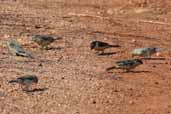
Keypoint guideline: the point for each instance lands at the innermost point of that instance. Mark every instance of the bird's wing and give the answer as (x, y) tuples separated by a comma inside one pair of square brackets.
[(125, 63), (22, 52), (103, 44), (47, 38)]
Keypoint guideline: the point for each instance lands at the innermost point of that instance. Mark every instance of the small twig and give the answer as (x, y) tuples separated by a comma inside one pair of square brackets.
[(60, 58), (97, 16), (87, 15), (154, 22)]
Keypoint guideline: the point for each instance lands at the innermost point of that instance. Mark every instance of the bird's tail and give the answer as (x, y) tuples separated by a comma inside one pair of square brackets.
[(30, 55), (110, 68), (58, 38), (163, 49), (114, 45), (26, 54), (13, 81)]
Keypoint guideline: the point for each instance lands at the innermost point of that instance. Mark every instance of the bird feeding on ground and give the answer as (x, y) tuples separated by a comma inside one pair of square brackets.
[(126, 65), (100, 46), (144, 52), (16, 49), (44, 40), (25, 81)]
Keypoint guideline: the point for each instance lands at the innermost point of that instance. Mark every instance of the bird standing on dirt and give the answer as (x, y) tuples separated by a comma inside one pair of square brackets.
[(100, 46), (43, 40), (16, 49), (144, 52), (25, 81), (126, 65)]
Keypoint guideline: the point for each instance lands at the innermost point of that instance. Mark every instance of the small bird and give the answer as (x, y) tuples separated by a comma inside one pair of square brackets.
[(44, 40), (16, 49), (25, 81), (126, 65), (144, 52), (100, 46)]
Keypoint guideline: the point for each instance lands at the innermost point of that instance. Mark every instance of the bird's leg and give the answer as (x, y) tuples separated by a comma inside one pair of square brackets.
[(46, 48), (32, 87), (41, 47), (26, 88), (97, 52), (102, 52), (20, 86), (127, 70), (147, 56)]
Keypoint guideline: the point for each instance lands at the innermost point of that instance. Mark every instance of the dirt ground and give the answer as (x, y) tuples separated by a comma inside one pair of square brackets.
[(74, 75)]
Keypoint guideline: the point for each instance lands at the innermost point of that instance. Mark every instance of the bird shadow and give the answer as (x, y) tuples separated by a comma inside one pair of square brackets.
[(115, 77), (138, 72), (107, 53), (158, 58), (54, 48), (106, 76), (132, 72), (36, 90)]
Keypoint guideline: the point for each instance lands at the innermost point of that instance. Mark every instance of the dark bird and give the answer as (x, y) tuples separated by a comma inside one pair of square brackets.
[(126, 65), (44, 40), (144, 52), (25, 81), (16, 49), (101, 46)]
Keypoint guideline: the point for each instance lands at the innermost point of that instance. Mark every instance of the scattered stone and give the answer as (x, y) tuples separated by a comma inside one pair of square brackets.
[(133, 40), (110, 12), (154, 66), (158, 54), (131, 102), (63, 78), (156, 83), (116, 90), (37, 27), (94, 102), (40, 65)]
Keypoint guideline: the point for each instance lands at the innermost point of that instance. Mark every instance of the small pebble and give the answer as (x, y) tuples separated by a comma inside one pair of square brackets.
[(110, 12), (37, 26), (40, 64), (131, 102), (156, 83), (168, 62), (6, 36), (116, 90), (154, 66), (94, 102), (133, 41), (63, 78), (158, 54)]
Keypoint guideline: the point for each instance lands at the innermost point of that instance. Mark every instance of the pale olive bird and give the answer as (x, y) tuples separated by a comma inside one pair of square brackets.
[(44, 40), (144, 52), (25, 81), (126, 65), (100, 46), (16, 49)]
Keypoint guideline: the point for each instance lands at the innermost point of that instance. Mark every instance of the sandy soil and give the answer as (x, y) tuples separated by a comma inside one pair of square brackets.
[(74, 75)]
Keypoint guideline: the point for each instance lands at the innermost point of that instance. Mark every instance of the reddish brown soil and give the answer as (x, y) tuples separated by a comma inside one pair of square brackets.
[(74, 75)]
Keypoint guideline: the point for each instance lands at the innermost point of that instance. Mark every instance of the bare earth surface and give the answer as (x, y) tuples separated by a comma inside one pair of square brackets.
[(74, 75)]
